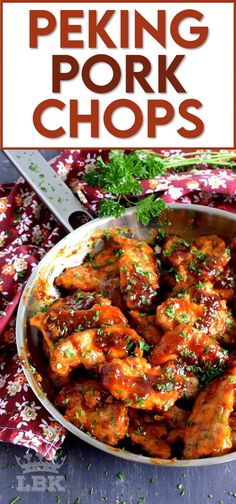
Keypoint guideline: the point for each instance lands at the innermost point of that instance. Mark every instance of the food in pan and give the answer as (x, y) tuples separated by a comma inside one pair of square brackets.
[(141, 345)]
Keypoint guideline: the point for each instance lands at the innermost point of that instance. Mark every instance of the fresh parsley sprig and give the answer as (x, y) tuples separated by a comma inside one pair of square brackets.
[(109, 208), (121, 175), (148, 208)]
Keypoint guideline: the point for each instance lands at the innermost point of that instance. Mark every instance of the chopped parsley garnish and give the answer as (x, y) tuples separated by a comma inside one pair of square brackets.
[(92, 261), (139, 430), (96, 316), (170, 312), (77, 276), (120, 476), (130, 346), (209, 373), (79, 328), (139, 401), (200, 255), (178, 278), (141, 500), (44, 309), (187, 353), (232, 379), (193, 266), (200, 285), (165, 387), (138, 269), (119, 252), (144, 346), (177, 244), (69, 354)]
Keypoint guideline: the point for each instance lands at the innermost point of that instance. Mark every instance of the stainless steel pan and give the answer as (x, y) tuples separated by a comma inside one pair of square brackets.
[(191, 219)]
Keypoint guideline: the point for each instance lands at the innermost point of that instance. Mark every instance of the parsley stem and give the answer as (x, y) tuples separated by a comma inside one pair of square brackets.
[(128, 200)]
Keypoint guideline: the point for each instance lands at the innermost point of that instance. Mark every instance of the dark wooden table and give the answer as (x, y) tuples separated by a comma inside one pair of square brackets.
[(89, 476)]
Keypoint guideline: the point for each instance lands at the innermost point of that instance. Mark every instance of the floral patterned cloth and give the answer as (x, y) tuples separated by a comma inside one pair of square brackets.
[(27, 232)]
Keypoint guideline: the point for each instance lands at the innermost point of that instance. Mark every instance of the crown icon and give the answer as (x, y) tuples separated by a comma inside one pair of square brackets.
[(37, 463)]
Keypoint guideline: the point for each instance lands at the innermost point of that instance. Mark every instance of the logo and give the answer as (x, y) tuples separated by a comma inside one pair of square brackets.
[(31, 465)]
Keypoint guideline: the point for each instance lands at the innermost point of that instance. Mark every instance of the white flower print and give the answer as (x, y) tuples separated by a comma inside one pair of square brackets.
[(62, 170), (3, 293), (93, 206), (185, 199), (25, 194), (3, 379), (50, 432), (229, 198), (175, 192), (20, 264), (24, 224), (47, 225), (81, 165), (192, 184), (36, 234), (20, 240), (13, 388), (27, 438), (216, 182), (98, 194), (3, 208), (175, 152), (2, 253), (21, 180), (165, 153), (28, 412), (3, 236), (226, 174), (90, 161), (36, 208), (21, 381), (69, 159), (7, 250), (27, 200), (2, 365), (3, 407)]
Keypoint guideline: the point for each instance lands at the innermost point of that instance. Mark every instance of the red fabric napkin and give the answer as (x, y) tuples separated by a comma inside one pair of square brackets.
[(27, 232)]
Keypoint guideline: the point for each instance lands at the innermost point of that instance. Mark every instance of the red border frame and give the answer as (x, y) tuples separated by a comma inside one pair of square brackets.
[(1, 75), (97, 2)]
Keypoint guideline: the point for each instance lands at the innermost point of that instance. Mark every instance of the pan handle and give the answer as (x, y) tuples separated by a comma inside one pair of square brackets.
[(51, 189)]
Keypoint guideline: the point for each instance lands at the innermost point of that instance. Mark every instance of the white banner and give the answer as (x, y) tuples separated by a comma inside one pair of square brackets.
[(204, 74)]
